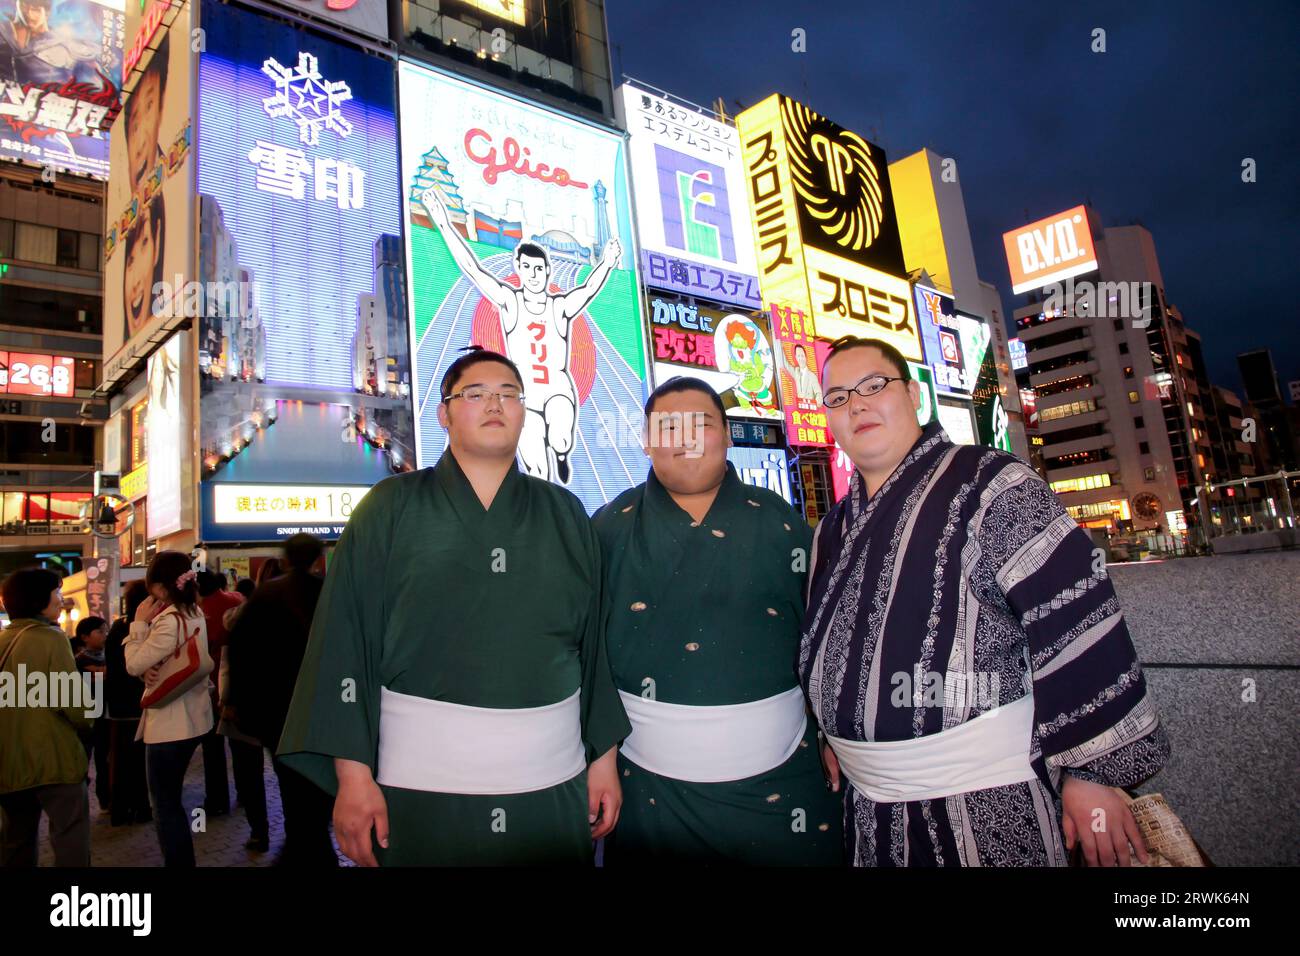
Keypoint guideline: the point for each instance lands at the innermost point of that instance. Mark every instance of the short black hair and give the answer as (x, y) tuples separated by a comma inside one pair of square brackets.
[(684, 383), (246, 587), (133, 595), (26, 592), (475, 355), (534, 250), (88, 624), (210, 582), (302, 550), (847, 342)]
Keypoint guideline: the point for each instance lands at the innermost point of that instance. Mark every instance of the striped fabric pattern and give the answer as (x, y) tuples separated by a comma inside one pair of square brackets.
[(961, 586)]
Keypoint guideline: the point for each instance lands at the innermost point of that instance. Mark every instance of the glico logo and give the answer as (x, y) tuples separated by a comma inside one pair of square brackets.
[(513, 159), (835, 176)]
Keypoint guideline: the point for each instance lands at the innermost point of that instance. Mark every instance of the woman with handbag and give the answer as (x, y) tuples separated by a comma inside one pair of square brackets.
[(168, 646)]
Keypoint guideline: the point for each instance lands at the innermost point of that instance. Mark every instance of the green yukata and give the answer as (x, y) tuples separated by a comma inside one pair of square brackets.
[(712, 616), (432, 596)]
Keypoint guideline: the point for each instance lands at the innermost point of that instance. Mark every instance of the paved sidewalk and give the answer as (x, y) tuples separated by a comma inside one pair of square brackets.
[(221, 843)]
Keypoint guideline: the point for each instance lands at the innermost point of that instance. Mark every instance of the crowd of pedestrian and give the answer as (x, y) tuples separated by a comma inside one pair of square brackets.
[(190, 665)]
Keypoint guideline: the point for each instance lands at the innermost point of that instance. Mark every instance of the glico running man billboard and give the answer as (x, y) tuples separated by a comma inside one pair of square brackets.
[(303, 350), (519, 239)]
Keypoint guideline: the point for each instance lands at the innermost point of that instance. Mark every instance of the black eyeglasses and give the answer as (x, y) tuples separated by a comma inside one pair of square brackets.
[(872, 384)]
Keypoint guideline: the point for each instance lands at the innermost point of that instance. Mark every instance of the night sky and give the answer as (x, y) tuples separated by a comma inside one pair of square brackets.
[(1154, 130)]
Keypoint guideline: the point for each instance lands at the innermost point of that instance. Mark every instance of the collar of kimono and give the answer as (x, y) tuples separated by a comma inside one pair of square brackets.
[(854, 514), (933, 440), (452, 479), (662, 507)]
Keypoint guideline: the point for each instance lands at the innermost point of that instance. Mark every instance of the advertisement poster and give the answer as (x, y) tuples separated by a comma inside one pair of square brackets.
[(800, 369), (689, 187), (148, 246), (731, 351), (519, 239), (60, 79), (168, 427), (304, 364), (954, 344)]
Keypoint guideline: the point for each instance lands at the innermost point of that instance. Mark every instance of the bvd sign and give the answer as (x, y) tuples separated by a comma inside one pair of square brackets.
[(1050, 250)]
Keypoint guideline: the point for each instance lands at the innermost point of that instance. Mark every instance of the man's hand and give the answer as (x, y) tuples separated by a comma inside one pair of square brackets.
[(359, 806), (830, 764), (604, 794), (1116, 830), (613, 252), (437, 211)]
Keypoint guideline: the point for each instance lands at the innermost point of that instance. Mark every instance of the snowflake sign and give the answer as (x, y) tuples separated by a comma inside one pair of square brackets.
[(300, 93)]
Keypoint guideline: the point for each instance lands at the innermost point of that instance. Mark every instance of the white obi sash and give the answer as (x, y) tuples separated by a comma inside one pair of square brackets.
[(990, 751), (713, 744), (452, 748)]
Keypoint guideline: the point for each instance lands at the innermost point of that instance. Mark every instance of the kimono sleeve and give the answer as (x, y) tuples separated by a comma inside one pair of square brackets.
[(604, 722), (335, 706), (1094, 715)]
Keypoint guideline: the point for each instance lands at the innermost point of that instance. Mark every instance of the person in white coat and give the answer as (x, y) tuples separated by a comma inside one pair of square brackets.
[(171, 731)]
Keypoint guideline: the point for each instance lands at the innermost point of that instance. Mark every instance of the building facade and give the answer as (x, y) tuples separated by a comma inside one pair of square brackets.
[(51, 430)]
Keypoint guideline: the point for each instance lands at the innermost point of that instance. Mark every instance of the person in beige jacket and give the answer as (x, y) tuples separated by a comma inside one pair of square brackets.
[(171, 732)]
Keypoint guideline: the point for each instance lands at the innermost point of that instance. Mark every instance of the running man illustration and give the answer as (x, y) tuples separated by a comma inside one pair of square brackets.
[(536, 324)]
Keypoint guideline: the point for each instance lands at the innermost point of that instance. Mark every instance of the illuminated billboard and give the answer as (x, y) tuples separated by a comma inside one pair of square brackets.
[(955, 345), (689, 186), (519, 239), (825, 225), (993, 426), (1050, 250), (763, 468), (149, 238), (956, 421), (364, 16), (304, 362), (25, 373), (800, 358), (1019, 355), (731, 351), (168, 426), (60, 80), (516, 11)]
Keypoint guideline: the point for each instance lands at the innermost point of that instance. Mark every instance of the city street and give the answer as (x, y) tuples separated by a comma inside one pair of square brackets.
[(1205, 627)]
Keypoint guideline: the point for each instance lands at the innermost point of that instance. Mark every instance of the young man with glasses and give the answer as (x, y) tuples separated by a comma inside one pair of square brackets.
[(963, 651), (455, 691)]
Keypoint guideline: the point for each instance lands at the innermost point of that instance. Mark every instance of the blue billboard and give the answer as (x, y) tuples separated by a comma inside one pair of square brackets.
[(305, 389)]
